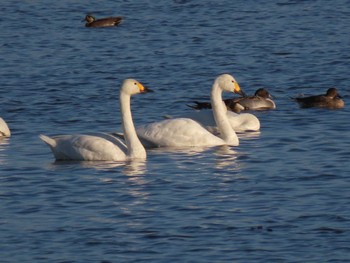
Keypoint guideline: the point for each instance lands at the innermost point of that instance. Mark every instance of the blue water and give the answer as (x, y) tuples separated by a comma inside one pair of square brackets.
[(281, 196)]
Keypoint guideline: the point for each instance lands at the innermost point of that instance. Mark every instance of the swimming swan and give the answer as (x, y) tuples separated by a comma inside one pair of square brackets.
[(239, 122), (4, 129), (101, 146), (180, 132)]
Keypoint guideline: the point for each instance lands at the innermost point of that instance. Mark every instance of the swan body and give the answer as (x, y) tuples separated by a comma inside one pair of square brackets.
[(4, 129), (239, 122), (180, 132), (330, 100), (101, 146), (87, 147), (103, 22)]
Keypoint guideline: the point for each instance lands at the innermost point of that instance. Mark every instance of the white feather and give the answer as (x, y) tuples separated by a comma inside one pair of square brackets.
[(181, 132), (102, 146)]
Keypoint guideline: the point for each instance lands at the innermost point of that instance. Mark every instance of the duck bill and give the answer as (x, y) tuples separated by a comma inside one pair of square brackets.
[(238, 90)]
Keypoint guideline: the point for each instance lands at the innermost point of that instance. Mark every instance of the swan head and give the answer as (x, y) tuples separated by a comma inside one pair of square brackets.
[(132, 87), (228, 83)]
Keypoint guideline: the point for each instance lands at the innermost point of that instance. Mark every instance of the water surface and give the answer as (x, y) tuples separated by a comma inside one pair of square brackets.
[(281, 196)]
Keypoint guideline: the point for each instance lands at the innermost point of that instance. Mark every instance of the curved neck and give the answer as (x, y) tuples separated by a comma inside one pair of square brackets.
[(220, 116), (135, 148)]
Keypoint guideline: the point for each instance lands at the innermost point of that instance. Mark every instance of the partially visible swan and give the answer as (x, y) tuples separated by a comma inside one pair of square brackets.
[(330, 100), (4, 129), (261, 100), (101, 146), (180, 132)]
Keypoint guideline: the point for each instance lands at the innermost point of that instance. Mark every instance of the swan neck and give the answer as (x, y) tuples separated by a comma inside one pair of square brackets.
[(220, 115), (135, 148)]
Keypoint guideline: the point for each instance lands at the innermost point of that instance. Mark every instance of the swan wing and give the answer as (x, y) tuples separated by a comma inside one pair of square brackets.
[(97, 147), (240, 122), (243, 122), (205, 118), (144, 142), (179, 132), (115, 138)]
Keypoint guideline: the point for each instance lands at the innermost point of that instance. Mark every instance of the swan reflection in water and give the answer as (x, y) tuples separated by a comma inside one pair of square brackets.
[(222, 157), (249, 135), (130, 168), (4, 143), (226, 158), (196, 159)]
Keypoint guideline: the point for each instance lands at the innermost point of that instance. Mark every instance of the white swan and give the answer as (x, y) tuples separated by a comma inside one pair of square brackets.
[(4, 129), (101, 146), (180, 132)]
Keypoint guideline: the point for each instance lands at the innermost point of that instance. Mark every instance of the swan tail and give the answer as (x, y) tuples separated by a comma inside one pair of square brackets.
[(49, 141)]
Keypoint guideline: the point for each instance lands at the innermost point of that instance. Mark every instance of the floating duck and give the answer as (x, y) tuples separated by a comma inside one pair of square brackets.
[(261, 100), (103, 22), (103, 146), (330, 100)]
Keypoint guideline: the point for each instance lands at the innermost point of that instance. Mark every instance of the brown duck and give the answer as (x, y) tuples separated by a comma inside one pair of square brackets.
[(103, 22), (330, 100), (261, 100)]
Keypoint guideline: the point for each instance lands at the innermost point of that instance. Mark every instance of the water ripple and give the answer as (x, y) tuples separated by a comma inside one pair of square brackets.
[(281, 196)]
